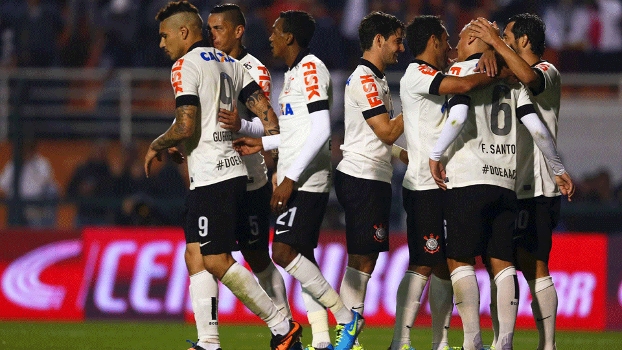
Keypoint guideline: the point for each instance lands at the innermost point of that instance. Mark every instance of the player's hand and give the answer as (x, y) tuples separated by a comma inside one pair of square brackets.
[(275, 182), (487, 64), (176, 155), (404, 156), (151, 153), (483, 29), (281, 195), (438, 173), (565, 184), (230, 120), (248, 145)]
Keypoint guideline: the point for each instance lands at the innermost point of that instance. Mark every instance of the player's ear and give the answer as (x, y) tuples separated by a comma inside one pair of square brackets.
[(289, 38), (378, 40), (239, 31), (523, 41), (184, 32), (433, 42)]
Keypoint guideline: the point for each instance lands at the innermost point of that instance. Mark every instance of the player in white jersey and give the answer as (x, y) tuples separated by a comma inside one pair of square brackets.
[(226, 27), (363, 177), (304, 171), (539, 198), (204, 80), (422, 90), (480, 178)]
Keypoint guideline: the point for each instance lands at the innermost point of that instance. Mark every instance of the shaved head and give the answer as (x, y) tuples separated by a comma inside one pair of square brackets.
[(181, 14)]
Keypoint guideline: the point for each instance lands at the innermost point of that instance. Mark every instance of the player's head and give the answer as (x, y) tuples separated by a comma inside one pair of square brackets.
[(428, 34), (180, 27), (226, 26), (383, 31), (291, 28), (523, 30), (469, 44)]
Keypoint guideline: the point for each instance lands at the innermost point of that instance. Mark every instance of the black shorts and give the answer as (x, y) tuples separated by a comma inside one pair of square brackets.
[(367, 206), (536, 220), (299, 226), (480, 221), (257, 207), (424, 226), (214, 213)]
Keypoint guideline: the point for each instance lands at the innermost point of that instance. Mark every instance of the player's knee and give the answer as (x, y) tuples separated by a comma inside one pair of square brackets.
[(283, 254), (193, 258)]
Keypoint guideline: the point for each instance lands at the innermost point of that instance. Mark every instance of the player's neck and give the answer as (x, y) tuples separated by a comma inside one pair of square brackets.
[(236, 52), (530, 57), (429, 58), (291, 53), (375, 60)]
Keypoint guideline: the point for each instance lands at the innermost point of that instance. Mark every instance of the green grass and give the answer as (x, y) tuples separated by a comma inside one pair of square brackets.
[(171, 336)]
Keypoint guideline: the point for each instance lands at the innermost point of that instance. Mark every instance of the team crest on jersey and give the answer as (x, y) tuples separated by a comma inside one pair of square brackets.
[(431, 243), (381, 233)]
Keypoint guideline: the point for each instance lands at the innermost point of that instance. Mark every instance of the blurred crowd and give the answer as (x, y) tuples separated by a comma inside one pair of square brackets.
[(124, 33), (106, 191)]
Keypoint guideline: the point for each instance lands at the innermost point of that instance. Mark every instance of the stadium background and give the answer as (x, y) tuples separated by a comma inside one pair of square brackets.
[(80, 78)]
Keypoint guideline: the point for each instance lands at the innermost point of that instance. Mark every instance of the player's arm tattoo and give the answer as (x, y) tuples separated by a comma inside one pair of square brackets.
[(260, 105), (182, 128)]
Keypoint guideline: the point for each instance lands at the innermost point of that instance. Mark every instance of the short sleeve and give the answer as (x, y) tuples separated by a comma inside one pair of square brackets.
[(316, 80), (524, 106), (426, 80), (184, 78), (548, 73), (365, 94)]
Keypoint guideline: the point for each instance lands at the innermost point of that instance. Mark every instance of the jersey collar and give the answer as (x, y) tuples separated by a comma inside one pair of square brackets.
[(243, 53), (416, 60), (474, 56), (299, 58), (373, 68), (200, 43)]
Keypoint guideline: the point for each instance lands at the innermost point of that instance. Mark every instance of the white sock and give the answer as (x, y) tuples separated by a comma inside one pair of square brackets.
[(507, 306), (204, 298), (406, 307), (441, 297), (318, 319), (353, 289), (272, 282), (544, 307), (466, 295), (311, 279), (493, 311), (244, 286)]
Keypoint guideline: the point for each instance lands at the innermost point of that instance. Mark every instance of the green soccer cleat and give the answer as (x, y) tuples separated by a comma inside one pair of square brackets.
[(347, 333)]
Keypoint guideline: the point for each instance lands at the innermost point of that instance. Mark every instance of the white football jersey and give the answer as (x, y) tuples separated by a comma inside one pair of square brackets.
[(535, 177), (255, 164), (366, 96), (307, 88), (484, 153), (424, 117), (217, 80)]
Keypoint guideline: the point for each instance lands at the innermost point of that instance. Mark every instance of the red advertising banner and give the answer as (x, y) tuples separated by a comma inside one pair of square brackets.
[(614, 288), (41, 275), (140, 273)]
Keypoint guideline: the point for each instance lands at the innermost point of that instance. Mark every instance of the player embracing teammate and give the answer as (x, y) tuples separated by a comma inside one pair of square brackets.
[(456, 210)]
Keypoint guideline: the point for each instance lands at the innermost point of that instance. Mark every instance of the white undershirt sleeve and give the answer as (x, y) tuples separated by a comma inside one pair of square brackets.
[(318, 135), (271, 142), (543, 139), (253, 128), (455, 121)]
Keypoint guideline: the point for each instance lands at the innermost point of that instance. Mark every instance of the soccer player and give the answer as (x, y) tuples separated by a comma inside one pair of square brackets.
[(226, 24), (422, 90), (539, 198), (304, 172), (480, 205), (204, 80), (363, 177)]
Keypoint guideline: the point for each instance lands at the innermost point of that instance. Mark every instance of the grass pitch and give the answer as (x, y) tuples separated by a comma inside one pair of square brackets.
[(171, 336)]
